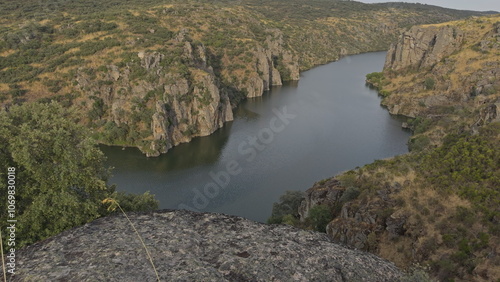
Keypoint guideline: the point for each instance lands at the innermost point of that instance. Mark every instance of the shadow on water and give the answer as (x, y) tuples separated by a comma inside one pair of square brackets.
[(200, 151)]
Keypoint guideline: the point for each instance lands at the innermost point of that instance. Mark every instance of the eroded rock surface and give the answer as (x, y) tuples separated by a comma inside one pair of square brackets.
[(188, 246), (423, 47)]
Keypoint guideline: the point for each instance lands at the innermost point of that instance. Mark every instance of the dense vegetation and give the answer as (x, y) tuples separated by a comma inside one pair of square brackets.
[(465, 228), (285, 211), (60, 177)]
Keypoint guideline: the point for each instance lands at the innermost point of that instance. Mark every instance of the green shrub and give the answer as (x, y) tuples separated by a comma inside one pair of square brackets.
[(60, 168), (416, 275), (429, 83), (384, 93), (98, 109), (290, 220), (419, 143), (133, 202), (375, 77), (320, 216), (288, 204), (351, 193), (347, 179), (420, 125)]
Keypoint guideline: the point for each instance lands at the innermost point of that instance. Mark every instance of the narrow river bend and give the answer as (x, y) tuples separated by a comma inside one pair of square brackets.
[(288, 139)]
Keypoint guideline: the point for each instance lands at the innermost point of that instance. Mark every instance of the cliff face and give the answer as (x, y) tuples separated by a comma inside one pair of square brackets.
[(188, 246), (266, 73), (443, 66), (355, 224), (172, 106), (422, 47)]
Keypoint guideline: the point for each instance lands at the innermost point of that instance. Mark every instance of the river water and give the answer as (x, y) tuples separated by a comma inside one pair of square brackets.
[(288, 139)]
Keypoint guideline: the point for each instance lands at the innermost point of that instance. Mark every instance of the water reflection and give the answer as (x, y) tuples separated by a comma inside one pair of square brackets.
[(200, 151)]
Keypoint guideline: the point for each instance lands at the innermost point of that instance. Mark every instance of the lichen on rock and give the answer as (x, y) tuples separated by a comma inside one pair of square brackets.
[(189, 246)]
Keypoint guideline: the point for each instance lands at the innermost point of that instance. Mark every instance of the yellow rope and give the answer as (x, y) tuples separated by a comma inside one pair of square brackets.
[(113, 201)]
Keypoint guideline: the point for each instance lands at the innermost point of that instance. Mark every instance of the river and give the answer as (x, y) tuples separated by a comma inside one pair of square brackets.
[(293, 136)]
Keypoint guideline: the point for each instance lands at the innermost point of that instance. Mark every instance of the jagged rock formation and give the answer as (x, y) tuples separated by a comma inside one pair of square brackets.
[(188, 246), (179, 105), (354, 222), (328, 193), (444, 66), (422, 47), (266, 73)]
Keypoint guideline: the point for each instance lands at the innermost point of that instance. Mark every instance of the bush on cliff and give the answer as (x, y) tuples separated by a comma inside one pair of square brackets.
[(375, 79), (429, 83), (288, 205), (320, 216)]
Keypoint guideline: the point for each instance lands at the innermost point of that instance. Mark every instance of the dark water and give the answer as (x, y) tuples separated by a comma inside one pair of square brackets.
[(288, 139)]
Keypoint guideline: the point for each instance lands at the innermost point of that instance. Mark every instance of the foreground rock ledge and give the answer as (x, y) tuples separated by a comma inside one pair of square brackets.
[(189, 246)]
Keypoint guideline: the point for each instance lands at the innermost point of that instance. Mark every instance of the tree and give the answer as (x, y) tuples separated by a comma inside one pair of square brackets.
[(288, 205), (60, 172), (320, 216)]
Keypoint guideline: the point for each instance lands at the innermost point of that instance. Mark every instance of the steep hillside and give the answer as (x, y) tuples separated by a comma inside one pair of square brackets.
[(154, 74), (445, 75), (438, 206)]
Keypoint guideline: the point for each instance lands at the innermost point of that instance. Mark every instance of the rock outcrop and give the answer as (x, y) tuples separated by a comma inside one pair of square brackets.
[(422, 47), (169, 107), (353, 222), (167, 104), (268, 60), (188, 246), (327, 193), (443, 66)]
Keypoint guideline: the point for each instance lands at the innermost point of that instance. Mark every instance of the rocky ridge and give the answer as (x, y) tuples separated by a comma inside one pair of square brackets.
[(355, 224), (188, 246)]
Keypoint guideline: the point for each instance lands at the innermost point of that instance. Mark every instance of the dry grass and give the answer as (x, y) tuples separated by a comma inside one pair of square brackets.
[(425, 207), (398, 252), (85, 37), (410, 176), (198, 74), (7, 53)]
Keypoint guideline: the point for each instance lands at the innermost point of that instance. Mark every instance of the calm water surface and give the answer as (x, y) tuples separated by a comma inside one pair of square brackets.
[(288, 139)]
